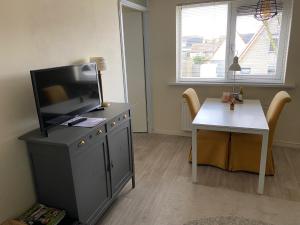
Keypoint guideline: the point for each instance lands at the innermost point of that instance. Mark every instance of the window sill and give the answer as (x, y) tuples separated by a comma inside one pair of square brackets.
[(227, 84)]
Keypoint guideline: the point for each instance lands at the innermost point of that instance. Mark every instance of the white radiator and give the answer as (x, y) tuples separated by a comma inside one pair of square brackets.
[(186, 120)]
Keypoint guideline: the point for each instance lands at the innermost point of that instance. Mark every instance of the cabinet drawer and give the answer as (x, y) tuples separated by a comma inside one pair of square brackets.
[(83, 143), (118, 120)]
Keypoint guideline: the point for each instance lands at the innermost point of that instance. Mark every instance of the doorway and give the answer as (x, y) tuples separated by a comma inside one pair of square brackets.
[(134, 65)]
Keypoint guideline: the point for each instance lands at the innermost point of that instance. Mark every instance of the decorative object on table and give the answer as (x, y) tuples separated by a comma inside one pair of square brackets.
[(241, 95), (42, 215), (226, 220), (238, 96), (266, 9), (101, 65), (226, 97), (232, 101)]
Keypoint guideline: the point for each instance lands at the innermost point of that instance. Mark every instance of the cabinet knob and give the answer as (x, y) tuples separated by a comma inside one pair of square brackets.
[(125, 116), (82, 142), (99, 132), (113, 124)]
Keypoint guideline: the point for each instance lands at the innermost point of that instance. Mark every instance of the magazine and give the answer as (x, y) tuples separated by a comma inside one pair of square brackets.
[(42, 215)]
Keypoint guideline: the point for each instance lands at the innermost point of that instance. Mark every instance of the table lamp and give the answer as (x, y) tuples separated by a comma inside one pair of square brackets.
[(101, 65), (235, 66)]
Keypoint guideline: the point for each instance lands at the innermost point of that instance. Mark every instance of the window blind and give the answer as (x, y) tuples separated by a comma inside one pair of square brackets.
[(203, 40)]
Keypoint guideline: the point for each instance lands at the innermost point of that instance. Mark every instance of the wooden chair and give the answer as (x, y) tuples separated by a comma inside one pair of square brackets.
[(213, 146), (245, 149)]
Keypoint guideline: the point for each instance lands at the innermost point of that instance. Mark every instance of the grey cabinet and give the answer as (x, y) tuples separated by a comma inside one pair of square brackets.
[(82, 170)]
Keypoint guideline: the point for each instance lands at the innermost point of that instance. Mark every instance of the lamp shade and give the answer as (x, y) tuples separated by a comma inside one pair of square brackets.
[(266, 9), (100, 62), (235, 66)]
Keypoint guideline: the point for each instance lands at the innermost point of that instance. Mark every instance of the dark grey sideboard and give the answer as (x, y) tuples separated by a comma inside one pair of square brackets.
[(80, 169)]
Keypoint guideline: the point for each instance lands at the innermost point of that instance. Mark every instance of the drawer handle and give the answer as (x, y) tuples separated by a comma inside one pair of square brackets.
[(125, 116), (82, 142), (99, 132), (113, 124)]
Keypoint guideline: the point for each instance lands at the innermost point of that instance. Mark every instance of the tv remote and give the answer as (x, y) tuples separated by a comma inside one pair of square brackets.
[(76, 121)]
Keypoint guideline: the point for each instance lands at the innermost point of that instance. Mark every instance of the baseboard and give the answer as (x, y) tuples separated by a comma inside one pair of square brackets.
[(172, 132), (286, 144), (278, 143)]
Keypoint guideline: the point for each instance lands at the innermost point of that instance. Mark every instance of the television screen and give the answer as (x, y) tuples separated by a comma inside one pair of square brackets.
[(64, 92)]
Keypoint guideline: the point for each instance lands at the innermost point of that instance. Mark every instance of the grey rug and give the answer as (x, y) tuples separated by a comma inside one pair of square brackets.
[(226, 220)]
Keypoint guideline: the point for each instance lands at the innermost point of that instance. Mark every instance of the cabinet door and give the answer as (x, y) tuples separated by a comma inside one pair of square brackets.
[(119, 145), (91, 179)]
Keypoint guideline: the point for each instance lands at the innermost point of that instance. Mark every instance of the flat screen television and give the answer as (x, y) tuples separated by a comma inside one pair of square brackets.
[(62, 93)]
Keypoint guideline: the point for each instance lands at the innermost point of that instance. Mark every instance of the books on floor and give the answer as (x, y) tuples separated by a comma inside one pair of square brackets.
[(42, 215)]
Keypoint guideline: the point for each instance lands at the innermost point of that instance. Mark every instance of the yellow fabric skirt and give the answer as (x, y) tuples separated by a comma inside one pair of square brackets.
[(212, 148), (245, 151)]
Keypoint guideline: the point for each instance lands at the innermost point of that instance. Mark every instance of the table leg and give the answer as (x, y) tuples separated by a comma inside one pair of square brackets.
[(263, 160), (194, 155)]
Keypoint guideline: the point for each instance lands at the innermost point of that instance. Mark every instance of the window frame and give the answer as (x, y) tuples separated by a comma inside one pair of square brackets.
[(278, 78)]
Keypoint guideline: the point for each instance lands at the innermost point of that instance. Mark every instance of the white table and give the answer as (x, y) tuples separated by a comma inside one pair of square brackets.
[(245, 118)]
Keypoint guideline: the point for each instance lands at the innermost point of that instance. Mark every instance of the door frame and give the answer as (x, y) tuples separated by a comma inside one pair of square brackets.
[(144, 11)]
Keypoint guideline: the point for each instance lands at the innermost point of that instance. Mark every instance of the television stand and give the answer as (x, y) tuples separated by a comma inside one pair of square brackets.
[(82, 170)]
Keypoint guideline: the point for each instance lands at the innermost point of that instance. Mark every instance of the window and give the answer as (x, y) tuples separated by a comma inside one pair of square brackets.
[(206, 46), (211, 34), (252, 43)]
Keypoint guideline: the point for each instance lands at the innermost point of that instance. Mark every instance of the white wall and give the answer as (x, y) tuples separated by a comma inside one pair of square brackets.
[(37, 34), (166, 99)]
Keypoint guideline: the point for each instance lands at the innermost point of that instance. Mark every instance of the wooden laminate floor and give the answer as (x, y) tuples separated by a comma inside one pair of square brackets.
[(165, 195)]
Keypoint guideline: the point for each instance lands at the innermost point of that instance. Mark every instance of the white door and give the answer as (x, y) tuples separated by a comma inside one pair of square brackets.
[(135, 67)]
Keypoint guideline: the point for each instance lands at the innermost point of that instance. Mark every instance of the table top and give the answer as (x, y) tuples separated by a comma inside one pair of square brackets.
[(216, 115)]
